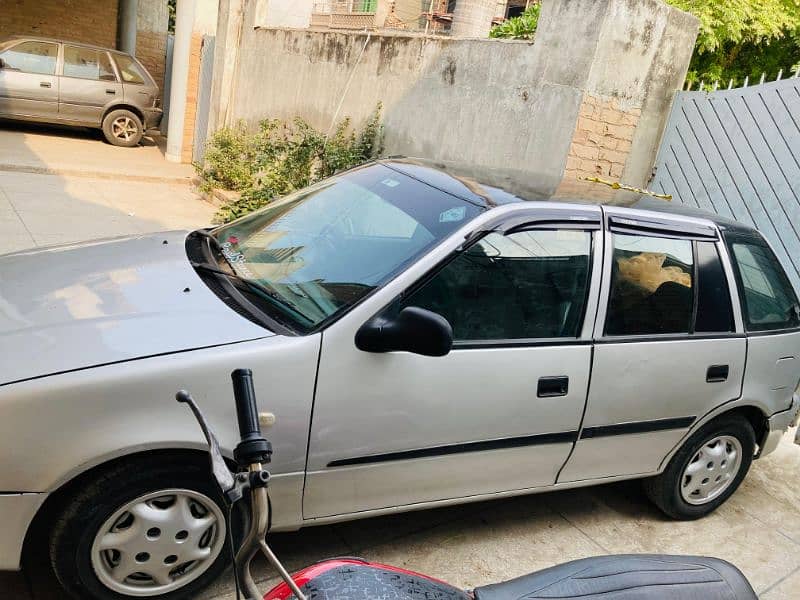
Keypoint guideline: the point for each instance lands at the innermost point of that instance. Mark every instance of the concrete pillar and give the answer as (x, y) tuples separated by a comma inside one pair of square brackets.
[(230, 20), (127, 25), (184, 23), (473, 18)]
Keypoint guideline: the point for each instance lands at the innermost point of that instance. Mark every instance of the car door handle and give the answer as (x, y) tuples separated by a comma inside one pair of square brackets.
[(110, 91), (550, 387), (45, 84), (717, 373)]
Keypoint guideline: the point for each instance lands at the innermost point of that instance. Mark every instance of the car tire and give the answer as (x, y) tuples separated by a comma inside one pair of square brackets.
[(706, 471), (161, 509), (123, 128)]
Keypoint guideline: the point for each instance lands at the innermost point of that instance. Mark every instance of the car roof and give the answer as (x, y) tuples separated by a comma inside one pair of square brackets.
[(490, 187), (38, 38)]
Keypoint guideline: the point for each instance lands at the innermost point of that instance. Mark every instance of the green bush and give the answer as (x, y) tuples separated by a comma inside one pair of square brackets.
[(522, 27), (279, 158)]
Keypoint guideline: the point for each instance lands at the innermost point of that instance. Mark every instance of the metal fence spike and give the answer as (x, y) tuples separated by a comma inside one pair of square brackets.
[(763, 77), (780, 75), (730, 84), (746, 81)]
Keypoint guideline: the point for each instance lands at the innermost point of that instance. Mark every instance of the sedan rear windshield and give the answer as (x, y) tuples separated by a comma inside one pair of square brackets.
[(321, 250)]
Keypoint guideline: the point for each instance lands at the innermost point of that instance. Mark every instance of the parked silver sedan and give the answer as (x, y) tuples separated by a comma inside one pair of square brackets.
[(54, 81), (418, 339)]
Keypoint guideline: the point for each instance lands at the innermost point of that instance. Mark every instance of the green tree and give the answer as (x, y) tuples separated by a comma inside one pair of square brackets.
[(740, 38), (522, 27)]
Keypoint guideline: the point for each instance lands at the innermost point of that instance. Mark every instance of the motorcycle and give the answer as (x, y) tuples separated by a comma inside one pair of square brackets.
[(621, 577)]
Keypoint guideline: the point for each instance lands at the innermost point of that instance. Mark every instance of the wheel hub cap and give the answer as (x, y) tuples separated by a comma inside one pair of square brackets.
[(158, 542), (712, 470), (124, 128)]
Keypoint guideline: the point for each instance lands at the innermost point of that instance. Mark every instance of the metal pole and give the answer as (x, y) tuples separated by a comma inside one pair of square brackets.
[(127, 25), (184, 22)]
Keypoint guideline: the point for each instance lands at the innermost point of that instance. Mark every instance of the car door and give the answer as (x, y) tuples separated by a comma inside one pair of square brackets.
[(501, 411), (669, 346), (88, 83), (28, 82)]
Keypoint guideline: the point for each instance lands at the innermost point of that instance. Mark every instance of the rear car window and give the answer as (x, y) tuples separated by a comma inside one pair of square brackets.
[(129, 70), (87, 63), (652, 286), (769, 300)]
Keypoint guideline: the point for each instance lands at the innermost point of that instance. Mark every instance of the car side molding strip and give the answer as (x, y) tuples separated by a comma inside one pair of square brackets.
[(564, 437), (637, 427)]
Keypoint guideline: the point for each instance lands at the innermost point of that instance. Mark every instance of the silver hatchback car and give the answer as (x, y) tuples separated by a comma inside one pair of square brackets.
[(68, 83), (417, 339)]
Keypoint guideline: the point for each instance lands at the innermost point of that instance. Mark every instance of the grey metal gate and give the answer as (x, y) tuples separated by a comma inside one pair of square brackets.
[(203, 97), (737, 153)]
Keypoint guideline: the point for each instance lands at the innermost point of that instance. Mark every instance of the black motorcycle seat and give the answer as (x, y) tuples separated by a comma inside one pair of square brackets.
[(628, 577)]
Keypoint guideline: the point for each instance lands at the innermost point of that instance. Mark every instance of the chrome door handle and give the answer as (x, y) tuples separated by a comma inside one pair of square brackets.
[(717, 373), (551, 387), (45, 84)]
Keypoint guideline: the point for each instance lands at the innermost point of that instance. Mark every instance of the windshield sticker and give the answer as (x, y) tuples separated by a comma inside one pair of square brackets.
[(237, 260), (454, 214), (390, 182)]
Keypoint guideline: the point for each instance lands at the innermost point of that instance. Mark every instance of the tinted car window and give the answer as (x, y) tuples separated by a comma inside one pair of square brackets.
[(128, 69), (768, 296), (32, 57), (652, 288), (87, 63), (526, 285), (714, 309)]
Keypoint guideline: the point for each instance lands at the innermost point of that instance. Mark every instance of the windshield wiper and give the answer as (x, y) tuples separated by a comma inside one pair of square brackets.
[(283, 303)]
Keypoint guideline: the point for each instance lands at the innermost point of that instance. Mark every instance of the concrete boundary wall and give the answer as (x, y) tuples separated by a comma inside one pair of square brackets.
[(590, 96)]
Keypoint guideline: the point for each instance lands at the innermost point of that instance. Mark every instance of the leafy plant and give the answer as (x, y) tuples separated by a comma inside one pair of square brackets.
[(522, 27), (279, 158), (743, 38)]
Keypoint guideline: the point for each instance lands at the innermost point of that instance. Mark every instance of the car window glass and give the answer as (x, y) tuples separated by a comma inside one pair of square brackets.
[(769, 300), (32, 57), (87, 63), (128, 69), (526, 285), (714, 309), (651, 286), (326, 247)]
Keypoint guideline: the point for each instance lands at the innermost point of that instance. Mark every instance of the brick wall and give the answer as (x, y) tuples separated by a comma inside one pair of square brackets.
[(88, 21), (192, 85), (151, 50), (603, 138)]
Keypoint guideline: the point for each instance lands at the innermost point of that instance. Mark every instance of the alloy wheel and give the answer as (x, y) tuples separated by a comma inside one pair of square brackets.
[(124, 128), (158, 542), (711, 470)]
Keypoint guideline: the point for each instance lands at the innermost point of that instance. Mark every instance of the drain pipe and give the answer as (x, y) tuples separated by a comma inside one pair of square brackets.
[(184, 24)]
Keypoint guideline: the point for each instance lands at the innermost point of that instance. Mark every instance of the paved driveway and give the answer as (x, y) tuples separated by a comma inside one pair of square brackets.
[(64, 185)]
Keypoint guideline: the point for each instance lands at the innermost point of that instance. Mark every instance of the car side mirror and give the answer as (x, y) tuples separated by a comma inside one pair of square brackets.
[(413, 329), (2, 64)]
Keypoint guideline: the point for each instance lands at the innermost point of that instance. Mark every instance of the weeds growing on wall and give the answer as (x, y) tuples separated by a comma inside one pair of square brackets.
[(279, 158), (522, 27)]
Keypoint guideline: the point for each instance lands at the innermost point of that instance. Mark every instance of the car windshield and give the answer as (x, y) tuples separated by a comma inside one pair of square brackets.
[(319, 251)]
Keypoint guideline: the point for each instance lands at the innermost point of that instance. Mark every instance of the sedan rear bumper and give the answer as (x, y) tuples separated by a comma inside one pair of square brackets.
[(778, 424), (17, 510)]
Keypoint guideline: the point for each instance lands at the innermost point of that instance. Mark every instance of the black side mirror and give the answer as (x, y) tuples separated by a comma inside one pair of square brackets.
[(413, 330), (2, 64)]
